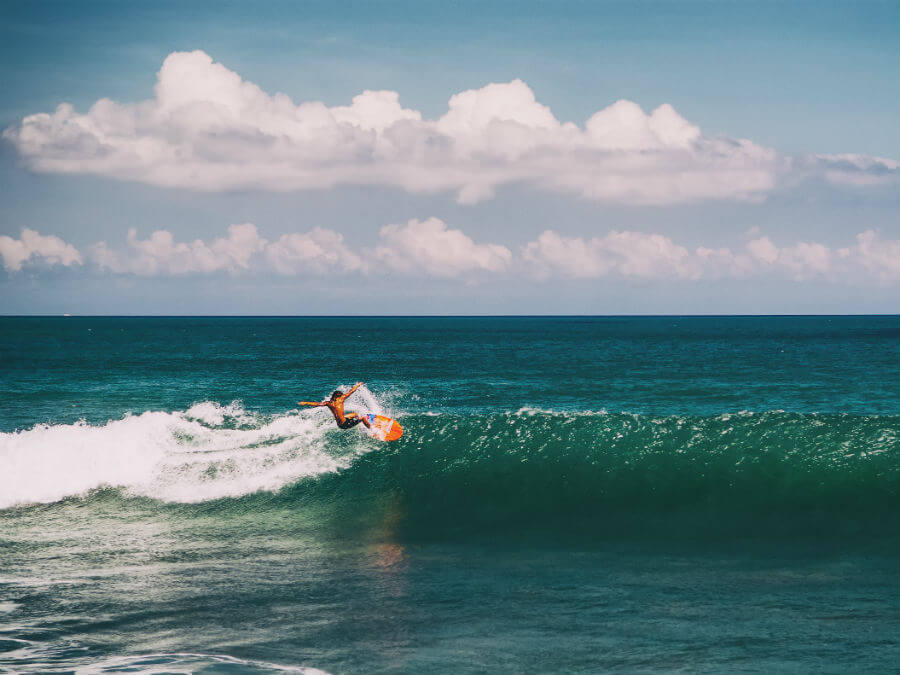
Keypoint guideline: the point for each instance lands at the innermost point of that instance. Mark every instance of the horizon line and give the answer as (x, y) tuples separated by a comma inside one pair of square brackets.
[(428, 316)]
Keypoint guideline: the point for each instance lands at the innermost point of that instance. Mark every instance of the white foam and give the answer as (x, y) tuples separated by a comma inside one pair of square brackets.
[(532, 411), (185, 456), (215, 414)]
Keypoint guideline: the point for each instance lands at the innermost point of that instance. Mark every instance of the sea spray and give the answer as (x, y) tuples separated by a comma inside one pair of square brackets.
[(363, 401)]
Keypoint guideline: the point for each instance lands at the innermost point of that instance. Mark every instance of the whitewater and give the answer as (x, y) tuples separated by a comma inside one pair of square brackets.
[(209, 451)]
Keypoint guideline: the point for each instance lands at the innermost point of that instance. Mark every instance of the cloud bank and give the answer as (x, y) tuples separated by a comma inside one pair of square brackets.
[(208, 129), (637, 255), (430, 249)]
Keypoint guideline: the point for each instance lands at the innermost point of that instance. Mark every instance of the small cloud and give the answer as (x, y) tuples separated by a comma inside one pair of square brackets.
[(878, 256), (314, 251), (429, 247), (805, 260), (160, 254), (856, 170), (627, 254), (34, 248), (763, 249)]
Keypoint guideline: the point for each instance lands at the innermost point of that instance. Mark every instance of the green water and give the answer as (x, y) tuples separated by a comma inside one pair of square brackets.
[(571, 495)]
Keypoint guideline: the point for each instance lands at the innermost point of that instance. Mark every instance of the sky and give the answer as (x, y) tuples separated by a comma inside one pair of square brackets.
[(449, 157)]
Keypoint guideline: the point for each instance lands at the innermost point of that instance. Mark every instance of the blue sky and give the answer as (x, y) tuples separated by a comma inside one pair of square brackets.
[(807, 211)]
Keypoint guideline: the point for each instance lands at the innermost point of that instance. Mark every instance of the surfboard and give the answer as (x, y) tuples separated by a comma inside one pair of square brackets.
[(383, 428)]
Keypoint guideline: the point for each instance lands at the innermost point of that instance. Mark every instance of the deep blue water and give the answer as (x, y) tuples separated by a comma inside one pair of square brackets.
[(571, 495)]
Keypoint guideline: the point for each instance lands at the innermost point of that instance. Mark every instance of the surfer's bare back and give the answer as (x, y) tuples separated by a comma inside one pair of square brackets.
[(336, 405)]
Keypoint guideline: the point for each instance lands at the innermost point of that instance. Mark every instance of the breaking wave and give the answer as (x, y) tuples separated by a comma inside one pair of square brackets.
[(728, 474)]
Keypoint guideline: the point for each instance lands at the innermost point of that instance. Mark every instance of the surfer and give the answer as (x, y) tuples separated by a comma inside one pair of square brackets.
[(336, 405)]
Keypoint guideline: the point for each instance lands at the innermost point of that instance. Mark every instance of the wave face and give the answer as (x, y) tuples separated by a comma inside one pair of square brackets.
[(741, 474), (744, 474)]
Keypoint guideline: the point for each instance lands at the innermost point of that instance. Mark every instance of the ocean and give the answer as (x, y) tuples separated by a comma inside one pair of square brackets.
[(571, 495)]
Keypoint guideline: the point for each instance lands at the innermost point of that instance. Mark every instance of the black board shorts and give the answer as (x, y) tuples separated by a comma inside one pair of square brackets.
[(350, 422)]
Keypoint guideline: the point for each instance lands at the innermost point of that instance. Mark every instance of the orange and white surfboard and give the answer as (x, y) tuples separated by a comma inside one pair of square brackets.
[(384, 428)]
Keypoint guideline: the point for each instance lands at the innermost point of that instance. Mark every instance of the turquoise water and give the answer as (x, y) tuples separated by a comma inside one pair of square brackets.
[(572, 495)]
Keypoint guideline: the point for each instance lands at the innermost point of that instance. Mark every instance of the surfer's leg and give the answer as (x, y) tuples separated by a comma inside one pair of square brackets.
[(361, 418), (351, 421)]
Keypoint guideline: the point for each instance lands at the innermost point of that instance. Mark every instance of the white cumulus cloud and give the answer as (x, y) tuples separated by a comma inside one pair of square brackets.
[(880, 257), (315, 251), (429, 247), (32, 247), (627, 254), (161, 254), (763, 249), (640, 255), (208, 129), (804, 260)]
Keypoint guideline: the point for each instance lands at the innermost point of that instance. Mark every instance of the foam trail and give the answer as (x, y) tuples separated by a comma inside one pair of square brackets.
[(206, 452)]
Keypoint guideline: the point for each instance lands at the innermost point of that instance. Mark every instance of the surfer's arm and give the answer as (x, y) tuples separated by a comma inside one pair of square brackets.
[(352, 389), (313, 403)]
